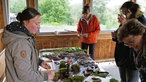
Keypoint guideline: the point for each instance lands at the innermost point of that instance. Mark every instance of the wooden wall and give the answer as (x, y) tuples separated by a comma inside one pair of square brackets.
[(57, 41), (104, 49)]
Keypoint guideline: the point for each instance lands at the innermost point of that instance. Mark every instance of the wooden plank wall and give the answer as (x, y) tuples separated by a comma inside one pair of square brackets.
[(57, 41), (104, 49)]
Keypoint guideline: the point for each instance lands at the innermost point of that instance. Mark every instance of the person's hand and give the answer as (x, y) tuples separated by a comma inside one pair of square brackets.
[(121, 18), (113, 34), (79, 35), (85, 35), (45, 65)]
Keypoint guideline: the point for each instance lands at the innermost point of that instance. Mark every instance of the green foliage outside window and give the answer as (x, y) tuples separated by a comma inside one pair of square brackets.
[(107, 17), (55, 12), (61, 12), (17, 5)]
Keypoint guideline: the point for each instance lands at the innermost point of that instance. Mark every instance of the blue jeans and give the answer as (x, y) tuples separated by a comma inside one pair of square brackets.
[(128, 75), (91, 48)]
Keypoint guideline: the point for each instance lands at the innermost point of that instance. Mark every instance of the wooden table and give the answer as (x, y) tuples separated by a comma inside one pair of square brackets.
[(87, 59)]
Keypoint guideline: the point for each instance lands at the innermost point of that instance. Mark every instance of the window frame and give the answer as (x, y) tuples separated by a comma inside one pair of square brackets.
[(58, 33)]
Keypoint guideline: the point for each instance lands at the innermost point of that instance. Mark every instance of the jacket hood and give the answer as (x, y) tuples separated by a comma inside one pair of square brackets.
[(82, 18), (13, 32)]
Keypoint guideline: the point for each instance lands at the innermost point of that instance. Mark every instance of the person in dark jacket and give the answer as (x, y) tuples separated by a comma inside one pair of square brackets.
[(133, 34), (124, 56)]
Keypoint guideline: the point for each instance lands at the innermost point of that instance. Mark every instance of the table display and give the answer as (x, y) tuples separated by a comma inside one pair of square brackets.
[(73, 65)]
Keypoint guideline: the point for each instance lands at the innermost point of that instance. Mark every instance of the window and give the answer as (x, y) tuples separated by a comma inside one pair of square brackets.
[(107, 10), (59, 15), (143, 5), (15, 6), (62, 15)]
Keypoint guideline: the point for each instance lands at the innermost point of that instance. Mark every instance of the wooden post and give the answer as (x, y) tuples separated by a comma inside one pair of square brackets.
[(89, 2), (31, 3), (133, 1), (2, 14)]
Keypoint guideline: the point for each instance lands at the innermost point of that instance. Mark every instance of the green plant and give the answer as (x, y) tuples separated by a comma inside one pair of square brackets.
[(62, 72), (75, 68), (77, 78), (97, 73), (67, 80), (62, 64), (113, 80)]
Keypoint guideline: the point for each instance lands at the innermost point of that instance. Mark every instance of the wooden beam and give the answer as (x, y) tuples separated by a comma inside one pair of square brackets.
[(89, 2), (31, 3), (2, 14), (1, 44), (133, 0)]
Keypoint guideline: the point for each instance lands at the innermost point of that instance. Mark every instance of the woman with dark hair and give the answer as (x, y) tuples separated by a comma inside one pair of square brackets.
[(133, 34), (22, 60), (131, 10), (88, 29), (124, 56)]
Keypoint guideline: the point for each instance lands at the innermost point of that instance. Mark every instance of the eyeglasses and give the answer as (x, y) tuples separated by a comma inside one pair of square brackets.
[(125, 12), (131, 42)]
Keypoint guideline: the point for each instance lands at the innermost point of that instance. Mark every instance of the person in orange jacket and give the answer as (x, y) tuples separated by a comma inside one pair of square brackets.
[(88, 29)]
